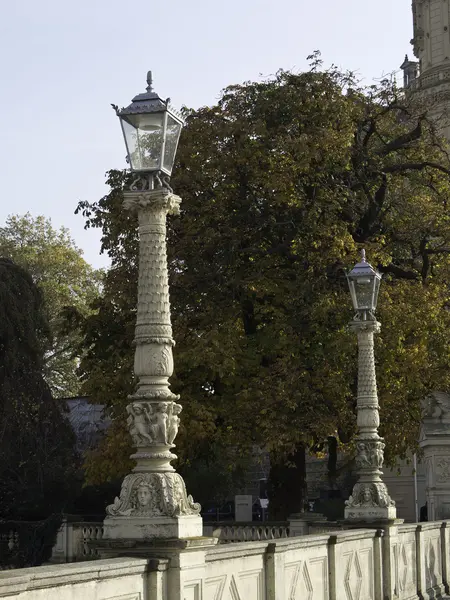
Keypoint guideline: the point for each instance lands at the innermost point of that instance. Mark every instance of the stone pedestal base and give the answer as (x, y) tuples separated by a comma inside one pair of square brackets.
[(177, 567), (299, 522), (149, 528), (368, 514), (152, 548)]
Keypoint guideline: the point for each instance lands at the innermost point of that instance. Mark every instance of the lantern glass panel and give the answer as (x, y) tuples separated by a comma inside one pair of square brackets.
[(376, 290), (364, 292), (144, 136), (351, 285), (173, 129)]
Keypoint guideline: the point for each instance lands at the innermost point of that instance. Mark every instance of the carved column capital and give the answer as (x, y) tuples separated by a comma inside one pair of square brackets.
[(370, 326), (160, 199)]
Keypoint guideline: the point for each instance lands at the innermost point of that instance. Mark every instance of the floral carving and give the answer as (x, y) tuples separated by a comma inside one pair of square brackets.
[(162, 361), (156, 200), (443, 469), (142, 341), (162, 394)]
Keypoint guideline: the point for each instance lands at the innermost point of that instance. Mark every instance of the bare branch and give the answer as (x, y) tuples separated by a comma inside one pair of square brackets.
[(398, 272), (403, 140), (415, 167)]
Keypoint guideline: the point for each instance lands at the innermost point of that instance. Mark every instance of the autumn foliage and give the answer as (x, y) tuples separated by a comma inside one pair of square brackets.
[(283, 182)]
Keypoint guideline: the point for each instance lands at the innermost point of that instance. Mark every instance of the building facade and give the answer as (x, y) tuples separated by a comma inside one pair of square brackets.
[(429, 74)]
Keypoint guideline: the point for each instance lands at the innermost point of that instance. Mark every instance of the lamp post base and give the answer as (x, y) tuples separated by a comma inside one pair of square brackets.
[(145, 528), (370, 501), (153, 505), (367, 514)]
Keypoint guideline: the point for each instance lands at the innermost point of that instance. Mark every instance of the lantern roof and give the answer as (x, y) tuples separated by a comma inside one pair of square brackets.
[(363, 268), (147, 102)]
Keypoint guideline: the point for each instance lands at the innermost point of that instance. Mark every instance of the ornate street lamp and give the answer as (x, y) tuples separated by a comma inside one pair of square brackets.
[(153, 502), (151, 129), (364, 283), (370, 500)]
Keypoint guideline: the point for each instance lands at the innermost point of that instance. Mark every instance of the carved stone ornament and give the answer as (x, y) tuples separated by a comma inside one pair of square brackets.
[(156, 200), (162, 394), (161, 361), (369, 454), (443, 470), (369, 326), (143, 341), (154, 180), (436, 406), (153, 423), (153, 495), (369, 495)]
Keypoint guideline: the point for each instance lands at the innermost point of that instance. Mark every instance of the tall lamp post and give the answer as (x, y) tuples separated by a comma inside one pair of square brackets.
[(153, 502), (370, 500)]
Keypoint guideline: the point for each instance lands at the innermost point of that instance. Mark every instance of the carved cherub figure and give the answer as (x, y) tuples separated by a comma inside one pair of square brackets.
[(173, 423), (362, 458), (377, 455), (139, 423), (160, 418)]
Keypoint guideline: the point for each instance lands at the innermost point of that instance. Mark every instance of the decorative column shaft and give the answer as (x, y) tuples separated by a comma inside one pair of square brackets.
[(370, 500), (153, 501)]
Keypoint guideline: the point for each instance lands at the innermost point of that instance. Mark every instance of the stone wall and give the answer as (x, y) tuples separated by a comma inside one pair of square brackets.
[(401, 562), (119, 578)]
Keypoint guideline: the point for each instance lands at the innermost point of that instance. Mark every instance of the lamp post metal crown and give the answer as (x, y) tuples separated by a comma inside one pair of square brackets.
[(370, 500), (153, 501)]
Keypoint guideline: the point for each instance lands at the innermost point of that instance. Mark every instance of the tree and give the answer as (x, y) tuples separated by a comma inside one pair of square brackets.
[(67, 282), (38, 461), (283, 182)]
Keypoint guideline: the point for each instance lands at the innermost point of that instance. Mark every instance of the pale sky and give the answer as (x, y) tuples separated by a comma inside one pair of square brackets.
[(63, 62)]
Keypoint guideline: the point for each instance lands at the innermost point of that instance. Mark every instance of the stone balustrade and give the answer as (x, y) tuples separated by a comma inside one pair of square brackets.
[(73, 542), (396, 562), (247, 532)]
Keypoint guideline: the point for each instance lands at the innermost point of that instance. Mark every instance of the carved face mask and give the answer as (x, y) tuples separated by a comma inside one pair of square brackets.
[(143, 495)]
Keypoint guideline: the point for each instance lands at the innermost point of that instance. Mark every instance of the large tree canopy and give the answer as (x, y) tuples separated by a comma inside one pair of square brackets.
[(37, 458), (67, 283), (283, 182)]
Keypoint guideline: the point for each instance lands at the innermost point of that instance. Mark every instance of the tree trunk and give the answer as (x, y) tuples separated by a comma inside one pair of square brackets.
[(287, 484), (332, 462)]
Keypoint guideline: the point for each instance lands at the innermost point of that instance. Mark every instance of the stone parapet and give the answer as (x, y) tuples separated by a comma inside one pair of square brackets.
[(393, 562)]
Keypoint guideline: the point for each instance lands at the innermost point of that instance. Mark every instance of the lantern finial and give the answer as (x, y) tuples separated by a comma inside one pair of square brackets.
[(149, 82), (363, 255)]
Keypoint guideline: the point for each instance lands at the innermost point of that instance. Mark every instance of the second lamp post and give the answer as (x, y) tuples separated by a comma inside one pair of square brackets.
[(370, 500)]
